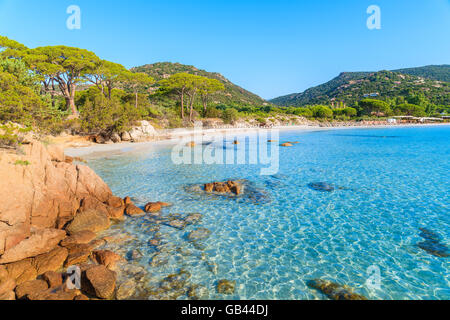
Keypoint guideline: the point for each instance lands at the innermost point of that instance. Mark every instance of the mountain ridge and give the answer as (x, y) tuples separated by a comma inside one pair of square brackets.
[(349, 87)]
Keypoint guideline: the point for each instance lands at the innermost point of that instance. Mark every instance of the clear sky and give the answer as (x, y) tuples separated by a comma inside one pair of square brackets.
[(271, 48)]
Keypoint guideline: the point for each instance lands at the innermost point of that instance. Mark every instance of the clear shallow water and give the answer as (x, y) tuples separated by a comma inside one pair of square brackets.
[(394, 181)]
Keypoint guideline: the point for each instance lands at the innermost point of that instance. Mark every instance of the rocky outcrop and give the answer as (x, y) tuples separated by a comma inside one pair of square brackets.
[(224, 187), (49, 217)]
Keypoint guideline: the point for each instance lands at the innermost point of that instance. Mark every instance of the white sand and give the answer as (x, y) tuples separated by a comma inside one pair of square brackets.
[(172, 137)]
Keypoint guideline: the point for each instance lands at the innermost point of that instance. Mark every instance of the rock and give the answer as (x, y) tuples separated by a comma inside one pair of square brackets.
[(102, 282), (81, 297), (333, 290), (286, 145), (198, 292), (53, 279), (90, 220), (236, 142), (199, 234), (193, 218), (31, 287), (224, 187), (191, 144), (116, 202), (78, 254), (126, 290), (271, 141), (51, 261), (226, 287), (321, 186), (40, 241), (153, 207), (116, 214), (8, 296), (82, 237), (132, 210), (54, 294), (435, 248), (7, 285), (115, 138), (127, 201), (177, 223), (159, 259), (175, 281), (46, 195), (106, 258), (56, 153), (125, 136), (22, 271)]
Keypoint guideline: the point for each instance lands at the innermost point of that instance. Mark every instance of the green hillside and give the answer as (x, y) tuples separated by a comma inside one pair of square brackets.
[(351, 87), (233, 94), (440, 73)]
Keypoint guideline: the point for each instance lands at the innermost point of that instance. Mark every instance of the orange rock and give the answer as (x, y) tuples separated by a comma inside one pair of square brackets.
[(153, 207), (51, 261), (286, 144), (100, 281), (53, 279), (29, 288), (106, 258), (127, 201), (82, 237), (132, 210), (22, 271)]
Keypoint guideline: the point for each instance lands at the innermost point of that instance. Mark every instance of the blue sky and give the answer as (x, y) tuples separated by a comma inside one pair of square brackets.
[(271, 48)]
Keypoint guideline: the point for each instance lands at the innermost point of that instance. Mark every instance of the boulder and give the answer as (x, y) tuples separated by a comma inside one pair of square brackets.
[(226, 287), (81, 297), (22, 271), (132, 210), (40, 241), (90, 220), (126, 290), (333, 290), (78, 253), (287, 144), (115, 202), (54, 294), (8, 296), (106, 258), (51, 261), (125, 136), (127, 201), (101, 282), (224, 187), (7, 285), (115, 138), (29, 288), (153, 207), (53, 279), (82, 237)]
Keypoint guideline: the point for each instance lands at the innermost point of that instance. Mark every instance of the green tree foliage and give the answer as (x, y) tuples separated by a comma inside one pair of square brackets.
[(230, 115), (207, 88), (67, 66), (408, 109), (322, 112), (107, 75), (374, 107)]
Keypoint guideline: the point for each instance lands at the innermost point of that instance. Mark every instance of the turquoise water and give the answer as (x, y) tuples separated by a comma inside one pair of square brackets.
[(388, 184)]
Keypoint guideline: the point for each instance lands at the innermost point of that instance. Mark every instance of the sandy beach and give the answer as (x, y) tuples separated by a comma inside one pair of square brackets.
[(173, 136)]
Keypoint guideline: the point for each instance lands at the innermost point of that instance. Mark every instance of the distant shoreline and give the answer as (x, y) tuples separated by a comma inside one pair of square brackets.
[(173, 136)]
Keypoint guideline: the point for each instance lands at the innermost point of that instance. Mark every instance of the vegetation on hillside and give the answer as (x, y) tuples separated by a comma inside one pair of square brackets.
[(59, 88), (349, 88)]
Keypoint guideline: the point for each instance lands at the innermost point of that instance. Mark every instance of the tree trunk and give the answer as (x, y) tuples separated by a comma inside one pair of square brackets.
[(182, 104), (71, 101), (136, 104), (191, 112)]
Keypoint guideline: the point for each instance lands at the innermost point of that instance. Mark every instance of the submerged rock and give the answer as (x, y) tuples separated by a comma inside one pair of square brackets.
[(226, 287), (321, 186), (334, 291), (286, 144), (199, 234), (432, 244), (224, 187), (175, 281)]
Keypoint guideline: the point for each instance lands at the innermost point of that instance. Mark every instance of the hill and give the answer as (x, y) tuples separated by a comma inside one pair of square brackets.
[(350, 87), (439, 73), (233, 94)]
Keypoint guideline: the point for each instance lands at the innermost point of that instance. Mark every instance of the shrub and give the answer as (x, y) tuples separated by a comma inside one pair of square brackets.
[(322, 112), (230, 115)]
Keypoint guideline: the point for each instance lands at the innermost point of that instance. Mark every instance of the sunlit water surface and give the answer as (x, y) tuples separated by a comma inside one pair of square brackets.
[(389, 183)]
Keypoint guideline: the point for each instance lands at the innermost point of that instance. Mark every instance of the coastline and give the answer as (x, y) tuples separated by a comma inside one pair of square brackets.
[(173, 136)]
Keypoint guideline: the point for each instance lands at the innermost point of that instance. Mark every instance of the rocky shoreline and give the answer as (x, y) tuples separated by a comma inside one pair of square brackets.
[(50, 219)]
